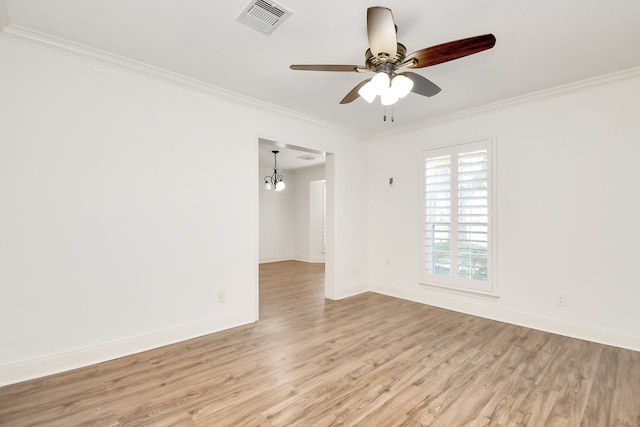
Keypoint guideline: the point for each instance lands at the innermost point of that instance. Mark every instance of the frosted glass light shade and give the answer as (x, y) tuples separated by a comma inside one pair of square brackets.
[(401, 85), (389, 97), (380, 82), (280, 186), (378, 85), (368, 92), (390, 91)]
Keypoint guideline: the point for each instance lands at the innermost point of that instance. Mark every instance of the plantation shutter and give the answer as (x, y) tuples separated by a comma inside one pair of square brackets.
[(457, 228), (438, 215), (473, 215)]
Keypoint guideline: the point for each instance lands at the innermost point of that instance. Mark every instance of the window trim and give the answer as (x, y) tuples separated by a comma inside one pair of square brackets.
[(449, 283)]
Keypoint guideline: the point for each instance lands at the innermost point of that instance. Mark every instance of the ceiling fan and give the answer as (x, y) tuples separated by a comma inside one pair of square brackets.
[(386, 58)]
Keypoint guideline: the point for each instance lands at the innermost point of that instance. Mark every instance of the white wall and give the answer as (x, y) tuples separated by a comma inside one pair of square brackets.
[(277, 220), (285, 217), (568, 203), (317, 220), (303, 179), (128, 202)]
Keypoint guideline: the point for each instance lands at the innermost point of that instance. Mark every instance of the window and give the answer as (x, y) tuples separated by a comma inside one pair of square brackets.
[(457, 211)]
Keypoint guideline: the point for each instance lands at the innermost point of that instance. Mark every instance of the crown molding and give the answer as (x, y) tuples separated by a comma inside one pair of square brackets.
[(37, 39), (588, 84), (44, 41)]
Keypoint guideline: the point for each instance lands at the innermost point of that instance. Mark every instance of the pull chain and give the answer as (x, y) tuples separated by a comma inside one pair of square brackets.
[(384, 117)]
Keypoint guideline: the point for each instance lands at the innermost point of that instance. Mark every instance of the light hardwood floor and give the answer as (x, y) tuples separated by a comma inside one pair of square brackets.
[(368, 360)]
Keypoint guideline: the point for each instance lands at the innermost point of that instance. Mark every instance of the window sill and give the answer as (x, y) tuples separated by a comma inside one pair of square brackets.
[(491, 295)]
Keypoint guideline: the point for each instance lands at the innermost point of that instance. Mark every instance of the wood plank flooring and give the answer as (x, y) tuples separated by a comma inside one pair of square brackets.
[(368, 360)]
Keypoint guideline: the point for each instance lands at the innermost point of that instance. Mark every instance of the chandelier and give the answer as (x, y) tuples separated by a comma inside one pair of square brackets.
[(275, 181)]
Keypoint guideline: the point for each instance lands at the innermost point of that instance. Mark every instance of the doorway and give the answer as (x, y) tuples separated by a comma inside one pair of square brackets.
[(297, 222)]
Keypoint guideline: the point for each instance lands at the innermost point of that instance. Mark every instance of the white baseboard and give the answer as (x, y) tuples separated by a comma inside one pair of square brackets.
[(273, 259), (569, 329), (351, 291), (48, 365), (22, 371), (316, 260)]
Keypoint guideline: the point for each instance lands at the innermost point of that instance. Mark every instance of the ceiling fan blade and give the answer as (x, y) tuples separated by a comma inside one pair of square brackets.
[(422, 85), (353, 95), (381, 31), (449, 51), (325, 67)]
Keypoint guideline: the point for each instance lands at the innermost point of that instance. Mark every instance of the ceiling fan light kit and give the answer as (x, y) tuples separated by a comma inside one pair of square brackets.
[(389, 90), (387, 58)]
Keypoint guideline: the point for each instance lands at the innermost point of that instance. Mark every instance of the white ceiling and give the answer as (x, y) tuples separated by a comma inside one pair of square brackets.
[(540, 44), (289, 156)]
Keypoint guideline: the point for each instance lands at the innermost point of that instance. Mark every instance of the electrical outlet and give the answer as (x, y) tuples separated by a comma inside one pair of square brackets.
[(221, 296), (561, 300)]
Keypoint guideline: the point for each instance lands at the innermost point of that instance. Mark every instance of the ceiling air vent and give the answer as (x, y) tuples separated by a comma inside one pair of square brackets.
[(264, 16)]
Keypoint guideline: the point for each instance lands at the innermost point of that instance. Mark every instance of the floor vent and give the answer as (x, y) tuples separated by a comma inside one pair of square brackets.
[(264, 16)]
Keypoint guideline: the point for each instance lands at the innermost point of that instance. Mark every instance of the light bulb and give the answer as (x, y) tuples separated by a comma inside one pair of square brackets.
[(280, 186), (367, 92), (389, 97), (401, 85)]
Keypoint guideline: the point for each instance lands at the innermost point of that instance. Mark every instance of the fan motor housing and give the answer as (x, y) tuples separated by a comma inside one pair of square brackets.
[(374, 63)]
